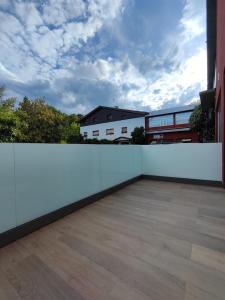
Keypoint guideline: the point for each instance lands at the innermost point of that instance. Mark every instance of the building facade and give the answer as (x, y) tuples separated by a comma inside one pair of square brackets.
[(214, 96), (170, 126), (111, 123), (220, 77)]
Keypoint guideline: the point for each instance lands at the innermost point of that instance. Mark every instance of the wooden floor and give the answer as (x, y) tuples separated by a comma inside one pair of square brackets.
[(150, 240)]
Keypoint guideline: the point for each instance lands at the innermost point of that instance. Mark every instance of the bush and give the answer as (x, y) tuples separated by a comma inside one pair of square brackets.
[(203, 123), (138, 136)]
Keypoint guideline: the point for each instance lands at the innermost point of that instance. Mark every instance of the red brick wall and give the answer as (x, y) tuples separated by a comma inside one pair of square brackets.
[(174, 136), (220, 69)]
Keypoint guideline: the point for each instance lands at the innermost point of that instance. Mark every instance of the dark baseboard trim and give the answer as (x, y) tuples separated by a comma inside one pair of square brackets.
[(184, 180), (24, 229)]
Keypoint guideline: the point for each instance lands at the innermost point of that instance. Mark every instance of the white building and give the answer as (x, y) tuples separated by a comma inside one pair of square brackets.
[(111, 123)]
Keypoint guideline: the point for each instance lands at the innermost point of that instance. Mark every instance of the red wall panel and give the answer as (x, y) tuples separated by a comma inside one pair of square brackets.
[(220, 71), (174, 136)]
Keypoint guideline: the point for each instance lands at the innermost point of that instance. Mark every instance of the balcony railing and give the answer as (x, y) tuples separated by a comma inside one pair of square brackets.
[(37, 179)]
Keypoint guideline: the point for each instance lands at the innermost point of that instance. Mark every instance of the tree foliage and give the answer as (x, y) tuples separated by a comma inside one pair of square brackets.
[(42, 122), (96, 141), (71, 134), (10, 125), (9, 122), (203, 123), (36, 122), (138, 136)]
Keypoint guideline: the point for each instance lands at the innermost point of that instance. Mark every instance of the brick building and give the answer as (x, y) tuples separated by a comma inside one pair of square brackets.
[(170, 126), (214, 97)]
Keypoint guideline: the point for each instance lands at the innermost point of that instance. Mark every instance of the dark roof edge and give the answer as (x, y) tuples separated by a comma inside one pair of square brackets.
[(113, 108)]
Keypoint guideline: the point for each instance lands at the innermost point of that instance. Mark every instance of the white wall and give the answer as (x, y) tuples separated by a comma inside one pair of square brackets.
[(194, 161), (117, 125)]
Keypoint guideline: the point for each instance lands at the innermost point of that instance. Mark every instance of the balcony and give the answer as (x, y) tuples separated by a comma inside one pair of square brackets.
[(150, 239)]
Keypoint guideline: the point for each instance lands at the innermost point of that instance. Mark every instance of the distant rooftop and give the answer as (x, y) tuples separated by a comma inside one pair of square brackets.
[(114, 108), (172, 110)]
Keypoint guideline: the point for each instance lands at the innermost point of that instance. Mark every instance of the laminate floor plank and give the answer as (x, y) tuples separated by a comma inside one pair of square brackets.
[(149, 279), (208, 257), (183, 270), (33, 279), (151, 240), (89, 279), (7, 292), (194, 293)]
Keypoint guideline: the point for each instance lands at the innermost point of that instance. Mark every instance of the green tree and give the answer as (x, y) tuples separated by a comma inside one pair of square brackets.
[(138, 136), (36, 122), (73, 133), (203, 123), (44, 123), (9, 122), (71, 130), (105, 141), (96, 141)]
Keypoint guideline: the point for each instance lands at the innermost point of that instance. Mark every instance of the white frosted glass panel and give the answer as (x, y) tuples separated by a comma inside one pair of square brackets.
[(7, 188), (118, 164), (194, 161), (51, 176)]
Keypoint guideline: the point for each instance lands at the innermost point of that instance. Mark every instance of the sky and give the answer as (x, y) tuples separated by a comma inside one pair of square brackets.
[(78, 54)]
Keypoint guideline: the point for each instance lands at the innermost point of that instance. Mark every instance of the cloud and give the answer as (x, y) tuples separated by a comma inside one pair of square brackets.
[(59, 12), (79, 54), (193, 19)]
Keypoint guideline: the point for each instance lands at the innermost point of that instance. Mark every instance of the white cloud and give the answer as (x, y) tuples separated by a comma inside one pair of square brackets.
[(188, 76), (25, 34), (173, 85), (5, 4), (101, 12), (193, 19), (187, 52), (59, 12), (68, 98), (41, 45), (28, 15), (7, 73)]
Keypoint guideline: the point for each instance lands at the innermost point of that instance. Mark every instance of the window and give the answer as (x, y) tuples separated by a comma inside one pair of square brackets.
[(183, 118), (94, 120), (186, 140), (161, 121), (124, 130), (109, 117), (85, 134), (95, 133), (157, 136), (123, 116), (110, 131)]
